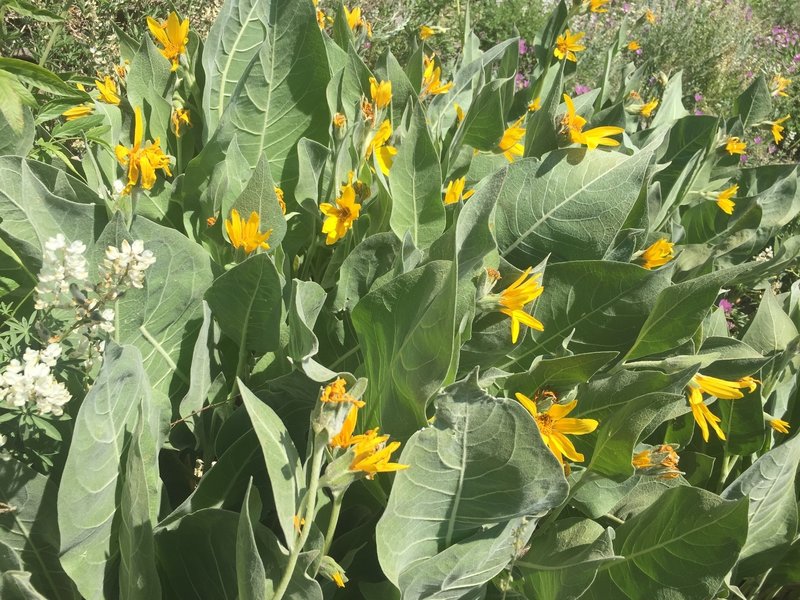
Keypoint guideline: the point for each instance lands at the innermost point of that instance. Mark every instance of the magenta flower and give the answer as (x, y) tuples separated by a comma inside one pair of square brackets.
[(523, 47), (582, 89), (726, 306)]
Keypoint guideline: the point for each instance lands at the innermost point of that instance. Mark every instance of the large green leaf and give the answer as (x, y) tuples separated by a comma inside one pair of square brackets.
[(754, 105), (772, 514), (572, 204), (246, 301), (233, 40), (282, 460), (39, 77), (602, 304), (13, 140), (363, 267), (556, 373), (405, 329), (148, 85), (250, 575), (16, 585), (686, 543), (415, 180), (163, 319), (259, 196), (562, 561), (771, 329), (31, 529), (481, 462), (88, 500)]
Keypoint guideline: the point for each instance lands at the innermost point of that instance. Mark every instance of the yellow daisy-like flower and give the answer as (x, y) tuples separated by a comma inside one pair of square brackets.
[(777, 128), (647, 109), (720, 388), (514, 298), (173, 35), (661, 461), (281, 200), (658, 254), (323, 19), (511, 142), (384, 155), (780, 85), (567, 44), (554, 427), (108, 90), (573, 126), (372, 455), (598, 6), (425, 32), (345, 437), (535, 104), (459, 112), (180, 118), (76, 112), (245, 234), (734, 145), (455, 191), (141, 160), (339, 218), (650, 16), (381, 92), (336, 393), (431, 78), (356, 22), (633, 46), (724, 201), (779, 425)]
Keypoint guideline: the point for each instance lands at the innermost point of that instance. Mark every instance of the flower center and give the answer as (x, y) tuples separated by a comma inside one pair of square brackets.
[(545, 423)]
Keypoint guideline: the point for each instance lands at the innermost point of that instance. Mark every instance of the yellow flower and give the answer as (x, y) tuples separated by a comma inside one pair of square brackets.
[(345, 437), (510, 144), (780, 85), (779, 425), (459, 112), (338, 579), (339, 120), (173, 35), (246, 234), (598, 6), (339, 219), (647, 109), (298, 522), (658, 254), (514, 298), (381, 92), (724, 199), (431, 78), (720, 388), (336, 392), (384, 154), (356, 22), (535, 104), (425, 32), (734, 145), (633, 46), (554, 427), (777, 128), (661, 461), (179, 118), (279, 193), (323, 19), (455, 191), (142, 160), (567, 45), (372, 455), (573, 126), (650, 16), (76, 112), (108, 90)]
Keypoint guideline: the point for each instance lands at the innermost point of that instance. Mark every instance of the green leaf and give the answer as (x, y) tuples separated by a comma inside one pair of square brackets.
[(571, 205), (138, 510), (307, 301), (259, 196), (406, 329), (771, 329), (438, 506), (234, 39), (364, 267), (162, 319), (246, 302), (561, 372), (685, 542), (670, 108), (602, 304), (31, 529), (283, 462), (41, 78), (13, 98), (15, 139), (250, 575), (200, 377), (16, 585), (34, 208), (772, 513), (415, 180), (562, 561), (88, 501), (754, 105), (36, 13), (541, 134)]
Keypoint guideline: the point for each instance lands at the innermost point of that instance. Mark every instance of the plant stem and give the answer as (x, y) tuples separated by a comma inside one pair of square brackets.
[(310, 504), (335, 511)]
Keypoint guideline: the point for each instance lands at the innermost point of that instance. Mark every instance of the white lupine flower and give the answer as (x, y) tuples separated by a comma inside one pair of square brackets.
[(127, 264), (32, 382), (3, 440), (62, 265)]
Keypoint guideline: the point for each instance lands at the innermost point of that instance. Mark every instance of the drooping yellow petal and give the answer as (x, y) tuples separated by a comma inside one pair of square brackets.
[(657, 254), (734, 145), (76, 112)]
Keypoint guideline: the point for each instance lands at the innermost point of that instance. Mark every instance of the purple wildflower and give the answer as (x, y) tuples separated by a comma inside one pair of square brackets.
[(698, 97), (758, 139), (582, 89), (726, 306), (523, 47)]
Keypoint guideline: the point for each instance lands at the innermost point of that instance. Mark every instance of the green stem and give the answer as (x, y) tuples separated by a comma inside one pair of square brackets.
[(335, 511), (728, 463), (345, 356), (310, 503), (50, 42)]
